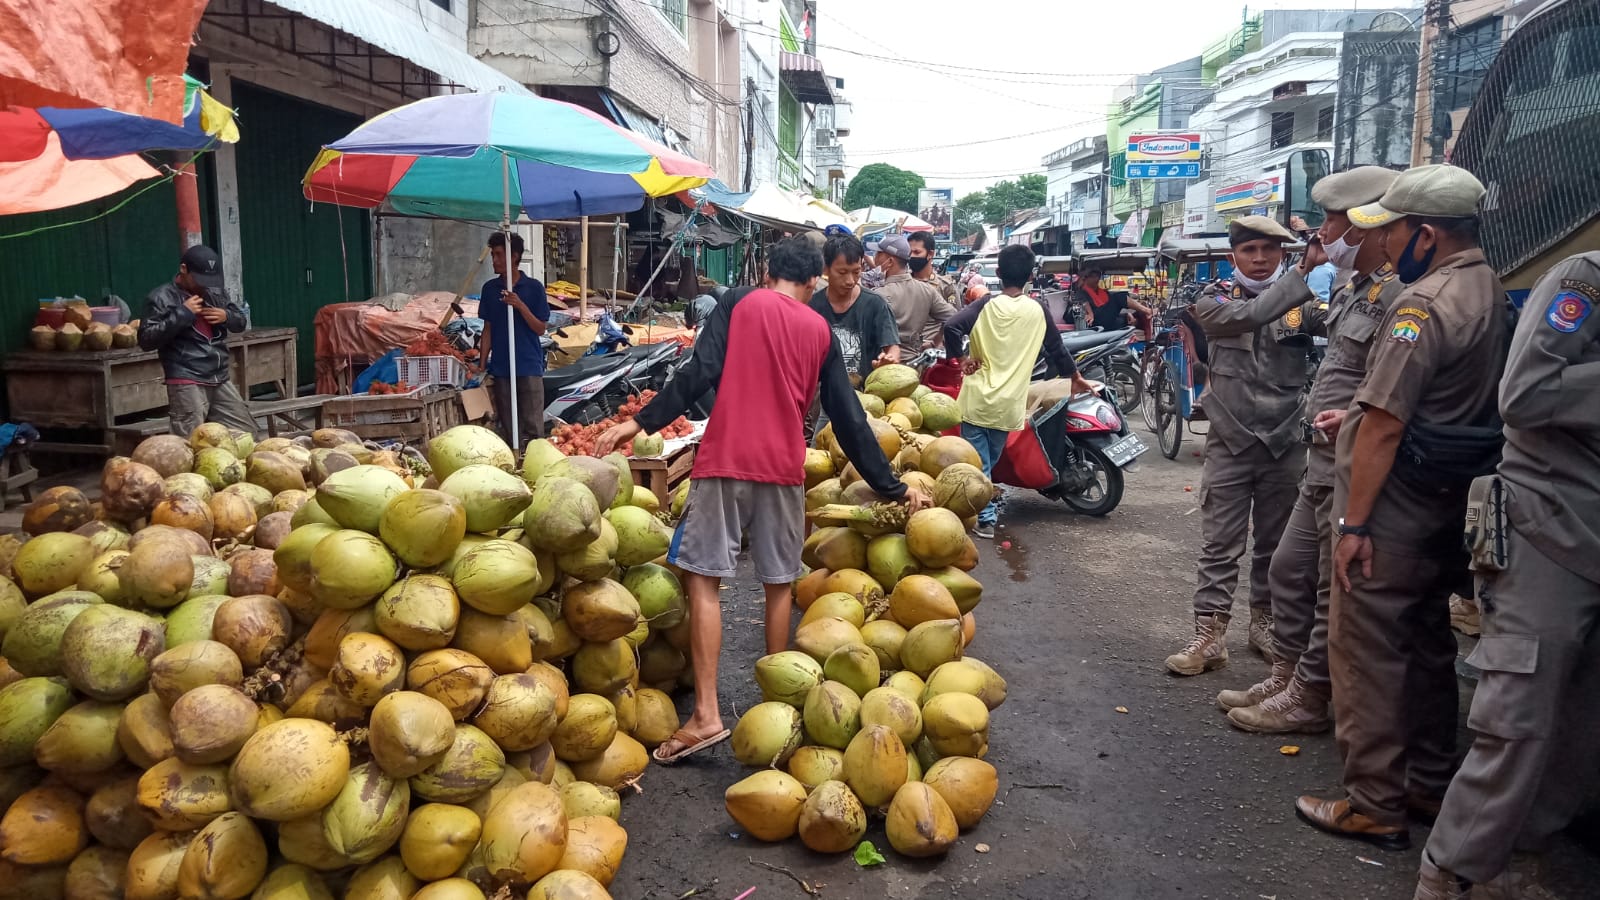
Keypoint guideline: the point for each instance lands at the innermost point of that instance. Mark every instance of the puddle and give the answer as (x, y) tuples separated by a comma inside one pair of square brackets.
[(1016, 558)]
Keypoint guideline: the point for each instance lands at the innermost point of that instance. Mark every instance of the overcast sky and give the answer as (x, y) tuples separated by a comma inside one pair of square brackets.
[(923, 76)]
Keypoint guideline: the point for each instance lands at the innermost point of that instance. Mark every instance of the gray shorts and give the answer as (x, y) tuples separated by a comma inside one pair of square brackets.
[(720, 511)]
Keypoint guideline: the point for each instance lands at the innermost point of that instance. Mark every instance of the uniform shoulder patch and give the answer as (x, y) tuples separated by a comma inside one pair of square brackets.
[(1406, 331), (1567, 311), (1292, 318)]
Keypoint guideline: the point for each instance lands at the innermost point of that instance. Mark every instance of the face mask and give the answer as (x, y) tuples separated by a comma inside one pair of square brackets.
[(1257, 288), (1342, 253), (918, 263), (1410, 268)]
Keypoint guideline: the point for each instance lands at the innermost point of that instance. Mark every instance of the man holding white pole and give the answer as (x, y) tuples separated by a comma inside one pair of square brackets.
[(513, 319)]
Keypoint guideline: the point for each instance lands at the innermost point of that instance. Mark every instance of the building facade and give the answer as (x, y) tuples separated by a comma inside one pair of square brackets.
[(1076, 197), (1459, 41)]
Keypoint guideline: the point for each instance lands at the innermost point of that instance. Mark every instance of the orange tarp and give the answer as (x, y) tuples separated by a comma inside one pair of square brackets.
[(349, 336), (54, 182), (129, 55)]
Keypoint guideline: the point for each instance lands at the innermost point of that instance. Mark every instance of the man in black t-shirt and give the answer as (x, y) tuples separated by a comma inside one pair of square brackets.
[(860, 319), (1103, 309)]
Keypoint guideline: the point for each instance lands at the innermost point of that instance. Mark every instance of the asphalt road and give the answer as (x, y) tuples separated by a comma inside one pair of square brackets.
[(1163, 801)]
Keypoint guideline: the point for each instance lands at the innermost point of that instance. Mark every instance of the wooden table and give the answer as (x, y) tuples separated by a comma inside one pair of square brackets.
[(660, 476), (94, 390)]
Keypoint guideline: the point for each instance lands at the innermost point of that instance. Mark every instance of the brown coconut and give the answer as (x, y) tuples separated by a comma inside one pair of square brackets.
[(168, 454), (253, 572), (184, 511), (129, 489), (61, 508)]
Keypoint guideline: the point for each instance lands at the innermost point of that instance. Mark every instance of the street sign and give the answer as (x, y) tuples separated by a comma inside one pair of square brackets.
[(1163, 170)]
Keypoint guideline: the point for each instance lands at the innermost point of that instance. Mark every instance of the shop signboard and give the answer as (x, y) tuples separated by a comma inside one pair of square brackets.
[(1164, 155), (1256, 192)]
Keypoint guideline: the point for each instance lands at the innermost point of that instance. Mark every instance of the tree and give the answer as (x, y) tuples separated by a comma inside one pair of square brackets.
[(1006, 198), (969, 216), (881, 184)]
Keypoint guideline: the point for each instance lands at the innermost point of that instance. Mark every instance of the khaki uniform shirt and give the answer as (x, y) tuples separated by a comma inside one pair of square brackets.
[(919, 311), (1354, 313), (1436, 358), (1550, 401), (947, 289), (1257, 359)]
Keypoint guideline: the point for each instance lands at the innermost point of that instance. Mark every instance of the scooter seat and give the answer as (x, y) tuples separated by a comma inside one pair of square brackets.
[(1079, 341)]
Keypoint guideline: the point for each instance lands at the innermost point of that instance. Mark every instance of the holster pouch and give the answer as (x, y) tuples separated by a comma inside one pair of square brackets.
[(1485, 532)]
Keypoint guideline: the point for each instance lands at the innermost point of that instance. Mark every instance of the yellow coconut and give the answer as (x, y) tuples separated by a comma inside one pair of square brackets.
[(583, 798), (620, 764), (875, 765), (367, 667), (448, 889), (211, 723), (455, 678), (524, 835), (813, 765), (500, 641), (153, 866), (291, 881), (820, 637), (832, 819), (472, 765), (968, 785), (556, 681), (930, 645), (387, 879), (956, 724), (418, 613), (289, 769), (885, 637), (894, 710), (920, 822), (226, 860), (145, 732), (568, 884), (602, 668), (595, 845), (368, 815), (837, 605), (855, 666), (518, 712), (179, 797), (44, 827), (437, 839), (113, 816), (586, 730), (767, 804), (767, 734), (918, 598)]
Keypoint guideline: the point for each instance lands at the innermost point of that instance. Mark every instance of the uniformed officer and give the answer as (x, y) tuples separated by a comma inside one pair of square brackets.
[(1253, 456), (1540, 640), (1294, 698), (1399, 556), (923, 247)]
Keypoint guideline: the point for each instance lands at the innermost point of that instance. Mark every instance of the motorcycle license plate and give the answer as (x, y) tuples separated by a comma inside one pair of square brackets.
[(1125, 451)]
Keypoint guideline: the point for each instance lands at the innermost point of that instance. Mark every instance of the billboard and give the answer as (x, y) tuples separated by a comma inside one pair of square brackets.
[(936, 206), (1164, 154), (1267, 189)]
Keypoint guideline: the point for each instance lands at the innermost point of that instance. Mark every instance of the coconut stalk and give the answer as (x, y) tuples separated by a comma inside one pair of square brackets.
[(890, 517)]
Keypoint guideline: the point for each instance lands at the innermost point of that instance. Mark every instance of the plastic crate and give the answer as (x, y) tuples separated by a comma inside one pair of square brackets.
[(420, 371)]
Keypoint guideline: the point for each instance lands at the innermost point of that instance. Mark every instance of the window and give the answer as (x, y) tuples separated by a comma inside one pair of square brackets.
[(442, 4), (786, 35), (675, 12), (1470, 52), (1325, 124), (788, 122), (1282, 129)]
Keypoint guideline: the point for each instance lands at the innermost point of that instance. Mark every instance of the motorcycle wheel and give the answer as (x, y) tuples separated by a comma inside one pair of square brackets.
[(1103, 493), (1169, 418), (1124, 380)]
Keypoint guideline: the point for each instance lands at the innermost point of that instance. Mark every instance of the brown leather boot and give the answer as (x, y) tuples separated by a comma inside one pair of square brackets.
[(1293, 710), (1520, 881), (1434, 883), (1261, 632), (1282, 671), (1336, 817), (1207, 650)]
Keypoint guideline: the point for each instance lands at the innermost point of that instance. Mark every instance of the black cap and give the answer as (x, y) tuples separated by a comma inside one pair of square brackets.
[(204, 266)]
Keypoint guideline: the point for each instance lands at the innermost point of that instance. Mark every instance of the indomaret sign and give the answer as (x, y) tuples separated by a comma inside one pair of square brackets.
[(1164, 154)]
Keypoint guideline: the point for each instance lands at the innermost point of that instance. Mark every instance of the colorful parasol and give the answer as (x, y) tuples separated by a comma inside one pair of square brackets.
[(458, 156), (101, 133), (51, 181)]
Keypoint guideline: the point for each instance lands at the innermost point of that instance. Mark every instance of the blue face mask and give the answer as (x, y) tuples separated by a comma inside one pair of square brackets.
[(1409, 268)]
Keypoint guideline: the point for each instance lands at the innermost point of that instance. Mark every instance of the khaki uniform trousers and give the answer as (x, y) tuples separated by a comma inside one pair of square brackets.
[(1392, 661), (1536, 714), (1241, 492), (1300, 577)]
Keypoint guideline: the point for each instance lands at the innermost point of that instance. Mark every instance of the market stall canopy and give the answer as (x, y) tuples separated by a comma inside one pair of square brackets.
[(445, 157), (122, 54), (102, 133), (51, 181), (1023, 233), (878, 218), (772, 206)]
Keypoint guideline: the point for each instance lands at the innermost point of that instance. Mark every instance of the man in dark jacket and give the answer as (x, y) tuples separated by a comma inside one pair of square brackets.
[(188, 320)]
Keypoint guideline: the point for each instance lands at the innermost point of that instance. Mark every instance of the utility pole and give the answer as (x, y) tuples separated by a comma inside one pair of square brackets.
[(1439, 122)]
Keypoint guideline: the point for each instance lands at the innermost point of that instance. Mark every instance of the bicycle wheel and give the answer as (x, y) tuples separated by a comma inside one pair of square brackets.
[(1169, 417), (1125, 381)]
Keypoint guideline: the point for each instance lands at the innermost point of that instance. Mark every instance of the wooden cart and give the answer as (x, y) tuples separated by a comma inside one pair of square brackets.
[(94, 390), (661, 476), (413, 417)]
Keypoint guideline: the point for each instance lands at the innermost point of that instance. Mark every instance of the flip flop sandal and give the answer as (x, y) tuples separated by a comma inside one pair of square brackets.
[(691, 744)]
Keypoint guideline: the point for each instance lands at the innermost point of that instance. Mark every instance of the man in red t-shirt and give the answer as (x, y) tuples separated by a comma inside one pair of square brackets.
[(766, 353)]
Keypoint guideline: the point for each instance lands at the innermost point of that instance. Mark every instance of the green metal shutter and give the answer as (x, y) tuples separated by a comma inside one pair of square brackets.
[(297, 258)]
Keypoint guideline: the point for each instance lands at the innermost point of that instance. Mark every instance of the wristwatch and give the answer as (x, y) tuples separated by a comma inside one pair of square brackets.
[(1357, 530)]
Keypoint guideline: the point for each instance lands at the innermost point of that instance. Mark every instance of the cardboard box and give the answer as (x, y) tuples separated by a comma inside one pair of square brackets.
[(476, 403)]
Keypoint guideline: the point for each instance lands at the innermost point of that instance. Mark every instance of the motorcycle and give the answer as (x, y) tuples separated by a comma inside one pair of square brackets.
[(1102, 356), (599, 382)]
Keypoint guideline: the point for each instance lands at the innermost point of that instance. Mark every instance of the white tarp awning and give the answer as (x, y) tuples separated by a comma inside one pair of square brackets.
[(381, 28)]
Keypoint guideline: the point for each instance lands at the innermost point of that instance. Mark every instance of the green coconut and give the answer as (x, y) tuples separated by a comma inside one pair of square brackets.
[(962, 488), (538, 458), (32, 644), (293, 556), (368, 815), (27, 708), (889, 559), (497, 577), (191, 620), (660, 595), (106, 651), (12, 604), (158, 573), (940, 412), (892, 382), (832, 714), (930, 645), (855, 666), (599, 476), (186, 482), (423, 527), (788, 677), (493, 497), (595, 561), (966, 590), (51, 562), (767, 734), (356, 497), (471, 766), (563, 516), (468, 445), (419, 613), (82, 741), (641, 536), (350, 568)]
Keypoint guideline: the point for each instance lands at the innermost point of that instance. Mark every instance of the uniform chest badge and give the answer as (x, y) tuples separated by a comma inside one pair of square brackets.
[(1567, 312), (1406, 331)]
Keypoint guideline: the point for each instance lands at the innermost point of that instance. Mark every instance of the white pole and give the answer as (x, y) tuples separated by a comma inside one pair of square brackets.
[(511, 314)]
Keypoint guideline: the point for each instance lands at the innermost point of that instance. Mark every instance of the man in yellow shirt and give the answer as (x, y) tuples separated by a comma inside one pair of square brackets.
[(1004, 328)]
